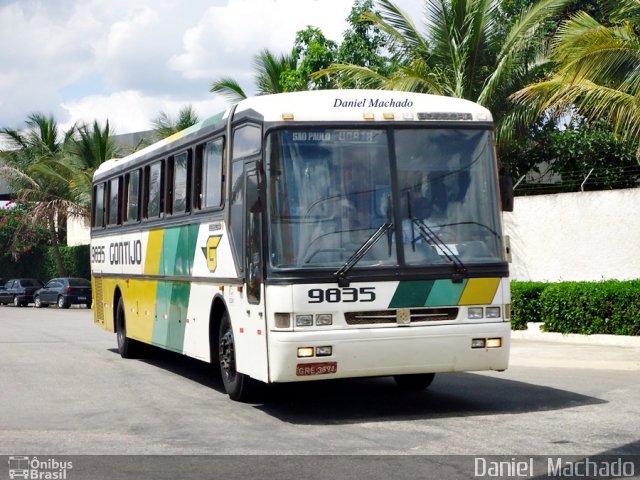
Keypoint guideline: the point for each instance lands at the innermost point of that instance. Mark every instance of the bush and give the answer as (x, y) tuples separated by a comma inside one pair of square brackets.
[(609, 307), (525, 303)]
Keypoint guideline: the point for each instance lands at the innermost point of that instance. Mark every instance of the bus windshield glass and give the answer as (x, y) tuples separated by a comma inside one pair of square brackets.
[(431, 191)]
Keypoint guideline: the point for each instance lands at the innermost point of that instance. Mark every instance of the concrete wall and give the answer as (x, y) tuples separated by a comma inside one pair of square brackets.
[(575, 236), (78, 231)]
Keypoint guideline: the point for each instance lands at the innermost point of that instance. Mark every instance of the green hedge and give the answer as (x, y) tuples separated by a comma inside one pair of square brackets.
[(608, 307), (39, 263), (525, 303)]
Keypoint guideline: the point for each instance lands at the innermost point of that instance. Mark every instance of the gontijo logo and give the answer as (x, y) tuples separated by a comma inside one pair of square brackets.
[(33, 468)]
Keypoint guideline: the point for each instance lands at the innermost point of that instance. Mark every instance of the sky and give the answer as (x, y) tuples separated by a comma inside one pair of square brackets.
[(129, 60)]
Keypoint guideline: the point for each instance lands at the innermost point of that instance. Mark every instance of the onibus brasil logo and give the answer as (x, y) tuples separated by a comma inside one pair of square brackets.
[(33, 468)]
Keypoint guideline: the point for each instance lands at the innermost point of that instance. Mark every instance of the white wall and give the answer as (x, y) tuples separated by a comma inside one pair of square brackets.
[(575, 236), (78, 231)]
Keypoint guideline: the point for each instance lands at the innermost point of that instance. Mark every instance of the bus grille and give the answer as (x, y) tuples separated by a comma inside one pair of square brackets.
[(391, 316)]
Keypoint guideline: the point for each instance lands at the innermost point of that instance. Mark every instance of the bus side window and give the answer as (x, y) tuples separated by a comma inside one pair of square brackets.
[(114, 207), (132, 196), (178, 174), (209, 175), (247, 141), (98, 206), (154, 190)]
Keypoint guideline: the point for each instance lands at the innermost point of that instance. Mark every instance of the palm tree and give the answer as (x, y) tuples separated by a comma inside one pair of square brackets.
[(598, 71), (34, 167), (269, 69), (165, 126), (461, 54), (90, 147)]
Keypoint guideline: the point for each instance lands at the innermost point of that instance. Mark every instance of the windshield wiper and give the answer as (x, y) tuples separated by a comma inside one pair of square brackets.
[(340, 275), (427, 233)]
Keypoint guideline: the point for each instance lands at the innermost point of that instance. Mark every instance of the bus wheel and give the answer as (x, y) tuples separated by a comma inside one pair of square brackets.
[(414, 382), (127, 347), (237, 385)]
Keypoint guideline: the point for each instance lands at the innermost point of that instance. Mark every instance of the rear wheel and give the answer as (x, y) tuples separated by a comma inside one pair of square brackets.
[(62, 302), (414, 382), (17, 302), (237, 385), (127, 347)]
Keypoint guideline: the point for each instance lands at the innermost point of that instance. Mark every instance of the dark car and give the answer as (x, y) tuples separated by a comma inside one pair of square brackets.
[(19, 291), (64, 292)]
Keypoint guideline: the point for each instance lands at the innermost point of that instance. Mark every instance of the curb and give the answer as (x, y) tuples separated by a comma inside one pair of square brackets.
[(534, 332)]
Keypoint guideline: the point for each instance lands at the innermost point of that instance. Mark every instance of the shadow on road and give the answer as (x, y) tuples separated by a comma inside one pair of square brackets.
[(378, 399)]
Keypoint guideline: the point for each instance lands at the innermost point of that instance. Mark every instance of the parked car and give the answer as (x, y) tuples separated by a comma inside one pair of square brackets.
[(64, 292), (19, 291)]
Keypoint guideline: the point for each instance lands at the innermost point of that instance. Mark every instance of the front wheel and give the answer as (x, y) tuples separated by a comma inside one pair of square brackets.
[(38, 303), (238, 386), (414, 382), (127, 347)]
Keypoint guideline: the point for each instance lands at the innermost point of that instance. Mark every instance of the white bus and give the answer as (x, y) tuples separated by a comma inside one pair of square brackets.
[(309, 236)]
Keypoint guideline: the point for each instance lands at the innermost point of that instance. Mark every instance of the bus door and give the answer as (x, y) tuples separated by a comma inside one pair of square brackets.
[(251, 355)]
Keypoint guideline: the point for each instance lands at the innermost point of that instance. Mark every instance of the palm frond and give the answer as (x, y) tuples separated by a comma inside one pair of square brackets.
[(228, 88)]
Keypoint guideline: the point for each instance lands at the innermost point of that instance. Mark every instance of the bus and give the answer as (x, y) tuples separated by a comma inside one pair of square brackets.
[(310, 236)]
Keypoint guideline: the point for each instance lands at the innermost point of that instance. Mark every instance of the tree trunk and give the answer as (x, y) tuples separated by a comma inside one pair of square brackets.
[(55, 248)]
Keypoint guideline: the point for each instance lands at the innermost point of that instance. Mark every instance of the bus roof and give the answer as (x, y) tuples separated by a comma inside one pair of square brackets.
[(338, 106)]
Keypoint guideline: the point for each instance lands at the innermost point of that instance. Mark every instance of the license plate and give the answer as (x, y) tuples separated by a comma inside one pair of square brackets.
[(320, 368)]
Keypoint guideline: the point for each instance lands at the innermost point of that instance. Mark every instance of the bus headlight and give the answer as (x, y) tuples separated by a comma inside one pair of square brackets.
[(304, 320), (324, 319), (493, 312), (475, 313)]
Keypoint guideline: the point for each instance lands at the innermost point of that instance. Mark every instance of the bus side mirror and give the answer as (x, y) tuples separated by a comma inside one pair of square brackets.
[(506, 193)]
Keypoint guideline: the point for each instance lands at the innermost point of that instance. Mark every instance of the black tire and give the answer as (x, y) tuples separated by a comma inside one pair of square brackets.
[(18, 303), (238, 386), (127, 347), (414, 382), (62, 302)]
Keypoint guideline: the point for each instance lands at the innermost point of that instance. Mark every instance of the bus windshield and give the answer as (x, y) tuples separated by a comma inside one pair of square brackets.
[(424, 195)]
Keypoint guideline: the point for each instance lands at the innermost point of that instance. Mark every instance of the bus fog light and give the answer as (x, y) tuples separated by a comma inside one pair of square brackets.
[(475, 313), (305, 352), (493, 312), (304, 320), (324, 351), (324, 319), (478, 343), (283, 320), (494, 342)]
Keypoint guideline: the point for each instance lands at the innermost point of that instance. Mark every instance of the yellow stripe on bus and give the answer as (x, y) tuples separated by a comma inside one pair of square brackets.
[(140, 301), (154, 252), (479, 291)]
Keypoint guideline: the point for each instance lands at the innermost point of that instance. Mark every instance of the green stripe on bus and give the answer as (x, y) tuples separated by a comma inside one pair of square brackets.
[(412, 293), (445, 292), (172, 302)]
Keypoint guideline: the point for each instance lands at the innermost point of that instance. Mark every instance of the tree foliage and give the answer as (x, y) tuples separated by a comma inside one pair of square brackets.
[(598, 71), (564, 157), (165, 125)]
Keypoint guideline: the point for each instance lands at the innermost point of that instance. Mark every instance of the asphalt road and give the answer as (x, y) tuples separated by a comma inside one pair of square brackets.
[(64, 390)]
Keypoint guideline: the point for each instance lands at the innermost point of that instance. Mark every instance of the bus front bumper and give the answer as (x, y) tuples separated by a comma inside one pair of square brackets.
[(388, 351)]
